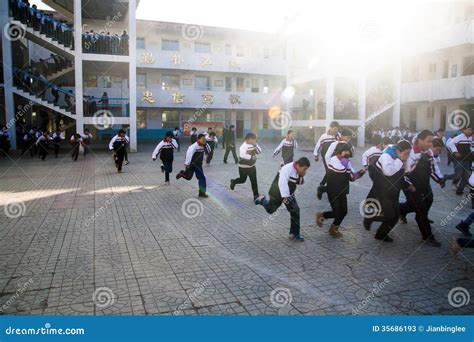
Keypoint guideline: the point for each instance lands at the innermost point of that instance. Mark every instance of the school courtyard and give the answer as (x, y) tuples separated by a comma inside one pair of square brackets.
[(79, 239)]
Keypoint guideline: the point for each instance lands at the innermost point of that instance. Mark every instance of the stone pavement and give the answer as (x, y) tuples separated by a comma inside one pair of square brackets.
[(79, 239)]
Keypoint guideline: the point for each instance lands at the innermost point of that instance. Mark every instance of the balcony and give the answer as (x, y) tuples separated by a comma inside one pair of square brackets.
[(154, 57), (444, 89)]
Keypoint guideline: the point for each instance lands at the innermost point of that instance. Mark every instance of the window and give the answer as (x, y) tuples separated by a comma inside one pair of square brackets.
[(169, 82), (454, 70), (468, 64), (169, 45), (170, 119), (104, 82), (432, 69), (445, 69), (265, 120), (202, 47), (228, 50), (266, 52), (430, 112), (255, 85), (240, 51), (141, 119), (266, 84), (202, 83), (140, 43), (141, 80), (90, 81), (228, 84), (240, 84)]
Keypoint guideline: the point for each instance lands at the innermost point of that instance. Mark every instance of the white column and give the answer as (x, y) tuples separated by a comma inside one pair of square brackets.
[(329, 100), (78, 89), (132, 33), (361, 104), (7, 77), (397, 91), (437, 117)]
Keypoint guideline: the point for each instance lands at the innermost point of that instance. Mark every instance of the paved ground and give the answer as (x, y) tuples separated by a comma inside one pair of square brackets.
[(88, 241)]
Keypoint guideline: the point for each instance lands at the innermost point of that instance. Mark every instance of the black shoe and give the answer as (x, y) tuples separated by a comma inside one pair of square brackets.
[(203, 194), (320, 193), (367, 224), (179, 175), (232, 184), (464, 229), (383, 238), (433, 242), (403, 219)]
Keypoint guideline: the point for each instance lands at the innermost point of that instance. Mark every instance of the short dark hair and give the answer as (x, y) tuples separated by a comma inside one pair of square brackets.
[(437, 142), (209, 127), (386, 141), (334, 124), (169, 134), (303, 162), (289, 131), (403, 145), (194, 129), (250, 136), (424, 134), (121, 130), (342, 147), (200, 135), (345, 132), (231, 126)]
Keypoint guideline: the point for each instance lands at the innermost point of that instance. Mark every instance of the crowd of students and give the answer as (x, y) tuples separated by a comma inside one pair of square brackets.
[(393, 167), (58, 30), (105, 43)]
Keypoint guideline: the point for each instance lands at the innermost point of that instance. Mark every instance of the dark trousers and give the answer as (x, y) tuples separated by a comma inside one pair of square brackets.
[(292, 206), (229, 148), (391, 214), (119, 155), (86, 149), (338, 204), (178, 143), (27, 146), (289, 159), (466, 242), (75, 152), (462, 172), (250, 172), (324, 180), (56, 149), (419, 202), (168, 168), (42, 152), (198, 171), (210, 154)]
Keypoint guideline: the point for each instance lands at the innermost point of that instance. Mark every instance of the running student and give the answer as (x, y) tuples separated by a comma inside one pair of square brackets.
[(118, 145), (248, 157), (193, 163), (166, 151), (321, 148), (340, 173), (287, 148), (282, 191)]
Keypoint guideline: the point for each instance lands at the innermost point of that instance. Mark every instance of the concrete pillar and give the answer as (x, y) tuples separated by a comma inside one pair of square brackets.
[(233, 118), (132, 33), (397, 93), (7, 77), (79, 84), (329, 100), (361, 109), (437, 117)]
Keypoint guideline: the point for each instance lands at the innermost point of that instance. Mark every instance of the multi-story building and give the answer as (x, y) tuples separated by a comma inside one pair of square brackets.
[(162, 75)]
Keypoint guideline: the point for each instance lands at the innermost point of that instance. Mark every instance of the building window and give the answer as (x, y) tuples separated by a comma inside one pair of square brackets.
[(141, 119), (170, 119), (90, 81), (240, 84), (454, 70), (169, 45), (169, 82), (140, 43), (202, 83), (228, 84), (265, 120), (266, 52), (430, 112), (141, 80), (468, 64), (239, 51), (104, 82), (266, 85), (228, 50), (255, 85), (202, 47)]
